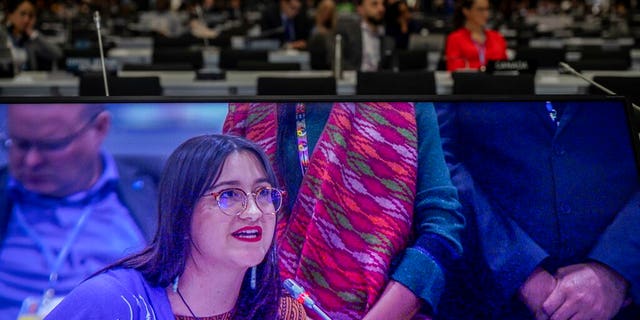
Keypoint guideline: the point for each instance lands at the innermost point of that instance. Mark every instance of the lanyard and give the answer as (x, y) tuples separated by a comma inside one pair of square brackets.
[(301, 133), (54, 263), (481, 52), (553, 114)]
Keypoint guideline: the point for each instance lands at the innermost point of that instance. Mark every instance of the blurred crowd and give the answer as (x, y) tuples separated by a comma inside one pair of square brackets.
[(295, 24)]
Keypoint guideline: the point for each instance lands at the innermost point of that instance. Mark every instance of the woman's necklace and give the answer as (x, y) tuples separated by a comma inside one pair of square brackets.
[(186, 304)]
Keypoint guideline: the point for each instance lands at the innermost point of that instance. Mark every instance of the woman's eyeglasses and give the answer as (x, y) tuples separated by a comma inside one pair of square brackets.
[(234, 201)]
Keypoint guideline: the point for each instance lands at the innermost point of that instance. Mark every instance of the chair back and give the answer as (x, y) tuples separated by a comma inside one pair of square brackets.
[(482, 83), (412, 59), (296, 86), (545, 58), (92, 84), (390, 83), (249, 65), (229, 58), (178, 56)]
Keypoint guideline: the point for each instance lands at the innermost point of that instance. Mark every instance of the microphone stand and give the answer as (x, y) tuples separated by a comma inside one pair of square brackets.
[(96, 19), (337, 57), (299, 294), (574, 72)]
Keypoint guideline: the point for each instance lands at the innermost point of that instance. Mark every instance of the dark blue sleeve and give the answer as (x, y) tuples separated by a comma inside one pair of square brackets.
[(619, 245), (437, 221)]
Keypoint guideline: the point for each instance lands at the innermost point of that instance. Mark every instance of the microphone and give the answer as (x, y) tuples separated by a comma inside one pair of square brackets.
[(337, 57), (96, 19), (298, 293), (574, 72)]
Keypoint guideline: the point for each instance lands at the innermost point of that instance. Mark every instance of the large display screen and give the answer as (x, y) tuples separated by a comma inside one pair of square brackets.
[(542, 180)]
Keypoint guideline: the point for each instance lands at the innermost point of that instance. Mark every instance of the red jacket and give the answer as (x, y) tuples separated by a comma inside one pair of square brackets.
[(461, 52)]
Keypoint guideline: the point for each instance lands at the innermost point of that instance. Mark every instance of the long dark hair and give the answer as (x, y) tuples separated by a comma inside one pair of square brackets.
[(10, 6), (458, 16), (190, 170)]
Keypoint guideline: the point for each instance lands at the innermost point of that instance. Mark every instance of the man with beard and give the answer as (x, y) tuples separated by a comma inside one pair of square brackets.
[(364, 44)]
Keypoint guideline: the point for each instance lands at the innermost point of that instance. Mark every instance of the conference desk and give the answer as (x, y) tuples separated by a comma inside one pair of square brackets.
[(244, 82), (210, 56), (38, 83), (183, 83)]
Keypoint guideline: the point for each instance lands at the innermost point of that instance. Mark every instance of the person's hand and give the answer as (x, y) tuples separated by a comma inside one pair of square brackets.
[(396, 302), (535, 290), (586, 291), (30, 27), (298, 44)]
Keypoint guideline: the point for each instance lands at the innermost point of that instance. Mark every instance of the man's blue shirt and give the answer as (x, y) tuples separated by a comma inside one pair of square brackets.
[(108, 234)]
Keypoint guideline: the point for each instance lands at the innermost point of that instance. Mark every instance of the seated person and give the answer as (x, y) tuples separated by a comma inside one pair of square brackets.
[(29, 50), (166, 20), (551, 193), (364, 44), (198, 25), (228, 9), (288, 22), (325, 18), (235, 9), (320, 44), (213, 256), (471, 45), (69, 208), (399, 23)]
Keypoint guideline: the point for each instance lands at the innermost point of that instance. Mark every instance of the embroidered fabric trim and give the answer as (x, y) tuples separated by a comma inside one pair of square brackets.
[(301, 133)]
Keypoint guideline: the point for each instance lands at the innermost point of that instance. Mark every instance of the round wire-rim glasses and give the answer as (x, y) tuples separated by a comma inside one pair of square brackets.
[(234, 201)]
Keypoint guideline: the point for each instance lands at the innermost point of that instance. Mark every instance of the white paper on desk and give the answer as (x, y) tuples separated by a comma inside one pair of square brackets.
[(23, 78), (549, 79)]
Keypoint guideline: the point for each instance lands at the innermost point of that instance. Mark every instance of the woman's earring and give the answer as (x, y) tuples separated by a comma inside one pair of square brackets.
[(253, 277), (174, 287)]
